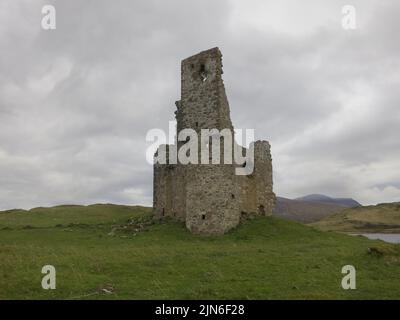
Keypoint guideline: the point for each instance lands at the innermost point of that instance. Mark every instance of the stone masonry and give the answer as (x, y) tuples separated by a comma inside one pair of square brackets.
[(210, 198)]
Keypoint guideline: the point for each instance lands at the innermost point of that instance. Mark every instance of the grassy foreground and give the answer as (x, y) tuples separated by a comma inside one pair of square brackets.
[(99, 255)]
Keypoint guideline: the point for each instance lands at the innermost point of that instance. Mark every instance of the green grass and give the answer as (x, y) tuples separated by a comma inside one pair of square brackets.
[(265, 258)]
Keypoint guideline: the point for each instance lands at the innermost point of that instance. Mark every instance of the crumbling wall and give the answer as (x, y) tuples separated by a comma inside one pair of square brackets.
[(212, 205), (256, 189), (210, 197), (169, 189)]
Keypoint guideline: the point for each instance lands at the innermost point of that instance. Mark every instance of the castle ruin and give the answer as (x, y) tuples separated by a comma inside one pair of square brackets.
[(210, 198)]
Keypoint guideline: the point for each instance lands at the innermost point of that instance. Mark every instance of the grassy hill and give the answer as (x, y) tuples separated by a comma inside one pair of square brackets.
[(380, 218), (118, 252)]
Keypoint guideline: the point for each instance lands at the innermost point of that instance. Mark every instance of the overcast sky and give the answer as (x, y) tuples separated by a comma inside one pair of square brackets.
[(76, 102)]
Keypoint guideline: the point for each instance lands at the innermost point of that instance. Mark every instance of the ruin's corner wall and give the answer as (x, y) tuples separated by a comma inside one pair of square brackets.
[(257, 194), (210, 198)]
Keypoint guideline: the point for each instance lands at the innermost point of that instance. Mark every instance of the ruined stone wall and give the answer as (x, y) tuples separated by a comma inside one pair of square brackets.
[(210, 197), (202, 92), (212, 205), (256, 189), (169, 189)]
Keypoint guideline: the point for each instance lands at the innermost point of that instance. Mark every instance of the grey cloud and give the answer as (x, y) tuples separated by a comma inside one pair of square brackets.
[(76, 103)]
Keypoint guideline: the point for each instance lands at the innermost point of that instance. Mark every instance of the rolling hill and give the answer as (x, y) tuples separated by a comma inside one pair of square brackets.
[(383, 218)]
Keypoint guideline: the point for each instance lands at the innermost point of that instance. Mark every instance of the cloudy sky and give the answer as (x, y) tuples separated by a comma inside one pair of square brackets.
[(76, 102)]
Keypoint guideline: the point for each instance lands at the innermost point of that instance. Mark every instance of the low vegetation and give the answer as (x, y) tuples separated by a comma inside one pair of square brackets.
[(382, 218), (119, 252)]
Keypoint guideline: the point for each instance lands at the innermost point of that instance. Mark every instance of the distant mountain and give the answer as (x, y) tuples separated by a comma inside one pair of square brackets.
[(320, 198), (305, 211)]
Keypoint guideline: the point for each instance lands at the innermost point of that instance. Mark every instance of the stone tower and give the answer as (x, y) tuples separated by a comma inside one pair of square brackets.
[(209, 198)]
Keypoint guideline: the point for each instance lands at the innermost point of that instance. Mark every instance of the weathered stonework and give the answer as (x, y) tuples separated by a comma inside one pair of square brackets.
[(210, 198)]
